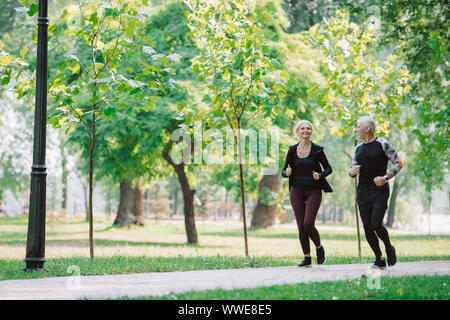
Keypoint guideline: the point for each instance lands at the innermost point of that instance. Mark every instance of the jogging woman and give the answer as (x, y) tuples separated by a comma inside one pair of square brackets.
[(306, 182)]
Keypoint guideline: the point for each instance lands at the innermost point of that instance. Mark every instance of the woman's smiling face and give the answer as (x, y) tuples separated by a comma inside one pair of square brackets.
[(304, 130)]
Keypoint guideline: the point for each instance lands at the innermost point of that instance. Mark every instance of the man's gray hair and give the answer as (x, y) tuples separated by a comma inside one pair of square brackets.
[(367, 120)]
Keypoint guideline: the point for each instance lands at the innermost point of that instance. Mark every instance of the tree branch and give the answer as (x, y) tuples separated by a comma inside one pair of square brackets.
[(83, 122), (246, 120), (81, 12), (93, 55), (229, 121), (65, 51), (114, 49), (248, 90), (232, 100)]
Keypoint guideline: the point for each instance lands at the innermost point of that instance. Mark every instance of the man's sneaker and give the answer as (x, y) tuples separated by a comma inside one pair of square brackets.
[(379, 263), (305, 263), (391, 256), (321, 258)]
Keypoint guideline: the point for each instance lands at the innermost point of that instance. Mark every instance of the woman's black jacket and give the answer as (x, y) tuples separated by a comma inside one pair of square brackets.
[(319, 154)]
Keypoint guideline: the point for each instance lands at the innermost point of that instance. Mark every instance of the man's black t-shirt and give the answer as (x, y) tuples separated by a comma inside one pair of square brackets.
[(373, 158)]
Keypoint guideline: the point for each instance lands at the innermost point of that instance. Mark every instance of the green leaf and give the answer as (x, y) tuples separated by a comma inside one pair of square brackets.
[(33, 9), (69, 129), (432, 43), (7, 78), (110, 12), (195, 68), (408, 122), (313, 90), (26, 2), (135, 90), (110, 111), (93, 18)]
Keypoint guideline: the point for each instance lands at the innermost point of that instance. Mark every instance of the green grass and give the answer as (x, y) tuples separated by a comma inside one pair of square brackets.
[(12, 269), (160, 247), (387, 288)]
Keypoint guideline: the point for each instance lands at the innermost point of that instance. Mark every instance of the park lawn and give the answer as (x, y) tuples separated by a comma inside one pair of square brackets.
[(161, 247), (387, 288)]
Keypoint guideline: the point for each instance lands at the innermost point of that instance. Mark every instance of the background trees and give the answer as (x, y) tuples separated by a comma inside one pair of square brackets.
[(130, 70), (90, 84)]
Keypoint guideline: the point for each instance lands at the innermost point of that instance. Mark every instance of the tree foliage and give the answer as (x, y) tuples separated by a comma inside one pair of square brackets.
[(418, 32), (358, 81)]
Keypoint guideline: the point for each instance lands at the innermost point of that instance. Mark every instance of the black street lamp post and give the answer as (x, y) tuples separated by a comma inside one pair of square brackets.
[(36, 220)]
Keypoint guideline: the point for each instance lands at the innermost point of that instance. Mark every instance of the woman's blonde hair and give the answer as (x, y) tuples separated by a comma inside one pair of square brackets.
[(298, 124)]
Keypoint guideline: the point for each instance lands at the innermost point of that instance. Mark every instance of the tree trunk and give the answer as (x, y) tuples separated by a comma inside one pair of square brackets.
[(138, 206), (226, 203), (188, 197), (65, 173), (173, 196), (448, 202), (293, 15), (86, 205), (175, 200), (91, 183), (241, 179), (311, 15), (126, 201), (108, 201), (146, 205), (266, 208), (427, 206), (392, 201), (189, 217)]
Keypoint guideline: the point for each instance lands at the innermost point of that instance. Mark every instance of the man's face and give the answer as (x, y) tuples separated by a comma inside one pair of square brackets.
[(361, 129)]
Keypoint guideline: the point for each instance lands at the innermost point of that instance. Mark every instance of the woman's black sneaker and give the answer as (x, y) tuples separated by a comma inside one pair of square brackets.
[(379, 263), (391, 256), (305, 263), (321, 258)]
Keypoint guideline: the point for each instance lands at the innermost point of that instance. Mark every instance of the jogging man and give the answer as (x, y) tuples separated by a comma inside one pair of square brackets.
[(370, 161)]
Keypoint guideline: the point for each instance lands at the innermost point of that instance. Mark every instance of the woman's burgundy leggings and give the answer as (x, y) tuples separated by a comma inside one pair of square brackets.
[(305, 204)]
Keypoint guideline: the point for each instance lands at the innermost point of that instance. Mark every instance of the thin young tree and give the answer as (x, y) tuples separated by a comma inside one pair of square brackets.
[(94, 36), (233, 60)]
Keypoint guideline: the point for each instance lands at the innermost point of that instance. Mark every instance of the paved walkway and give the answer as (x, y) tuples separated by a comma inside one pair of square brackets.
[(161, 283)]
